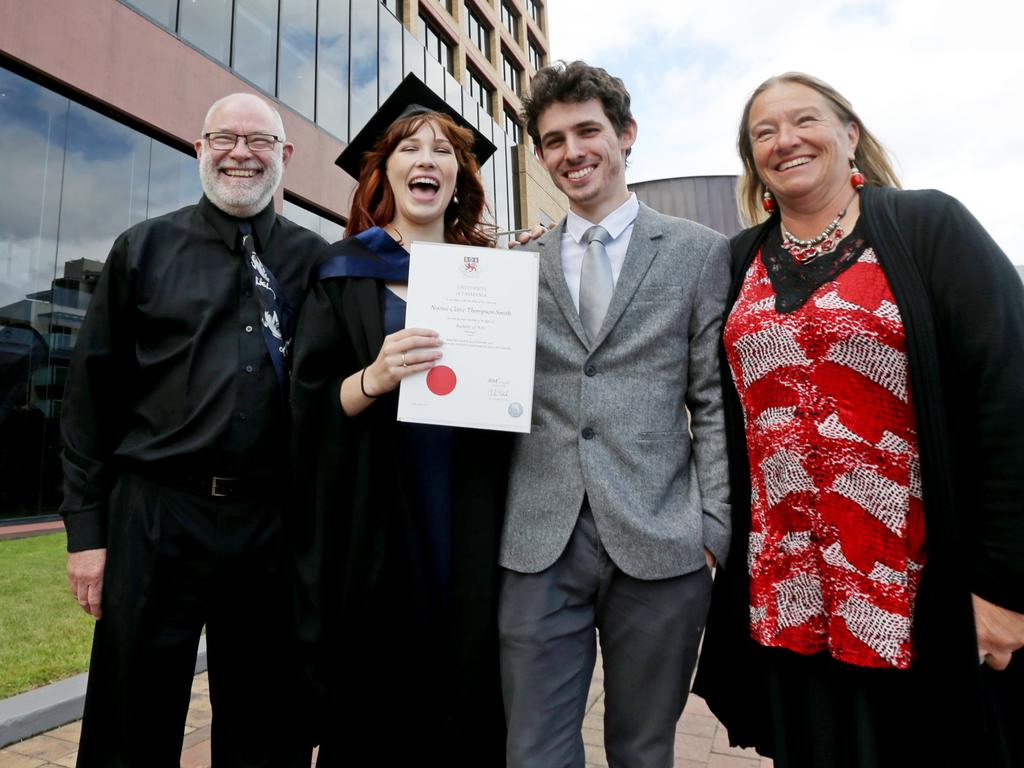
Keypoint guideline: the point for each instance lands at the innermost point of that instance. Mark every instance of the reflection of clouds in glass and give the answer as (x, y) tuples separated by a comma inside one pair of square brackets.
[(297, 75), (29, 174), (390, 53), (28, 105), (363, 92), (107, 182), (205, 24), (364, 40), (332, 79), (255, 41), (414, 53), (106, 176)]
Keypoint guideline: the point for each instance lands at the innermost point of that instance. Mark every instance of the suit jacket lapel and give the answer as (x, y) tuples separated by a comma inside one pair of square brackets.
[(550, 246), (643, 247)]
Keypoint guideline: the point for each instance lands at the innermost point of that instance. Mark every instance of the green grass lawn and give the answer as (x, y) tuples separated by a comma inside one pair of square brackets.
[(44, 635)]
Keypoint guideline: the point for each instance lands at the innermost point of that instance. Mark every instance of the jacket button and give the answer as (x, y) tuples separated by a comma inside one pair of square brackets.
[(590, 370), (248, 329), (249, 369), (587, 433)]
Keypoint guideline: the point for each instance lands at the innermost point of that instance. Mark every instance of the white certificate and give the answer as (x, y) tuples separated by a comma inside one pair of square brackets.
[(483, 303)]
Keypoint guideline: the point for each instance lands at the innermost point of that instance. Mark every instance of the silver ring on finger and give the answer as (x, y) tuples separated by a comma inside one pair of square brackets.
[(404, 364)]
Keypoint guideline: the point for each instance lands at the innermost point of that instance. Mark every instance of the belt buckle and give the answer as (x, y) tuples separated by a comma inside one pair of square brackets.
[(213, 487)]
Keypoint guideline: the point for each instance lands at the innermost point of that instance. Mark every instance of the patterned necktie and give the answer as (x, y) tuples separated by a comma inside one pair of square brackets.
[(596, 284), (276, 313)]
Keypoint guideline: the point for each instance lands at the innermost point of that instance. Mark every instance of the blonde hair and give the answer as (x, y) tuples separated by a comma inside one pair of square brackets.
[(870, 156)]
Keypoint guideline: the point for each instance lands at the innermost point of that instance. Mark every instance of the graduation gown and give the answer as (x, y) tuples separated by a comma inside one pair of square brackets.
[(389, 665)]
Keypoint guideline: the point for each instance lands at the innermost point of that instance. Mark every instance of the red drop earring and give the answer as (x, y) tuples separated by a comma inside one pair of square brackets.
[(767, 201), (856, 177)]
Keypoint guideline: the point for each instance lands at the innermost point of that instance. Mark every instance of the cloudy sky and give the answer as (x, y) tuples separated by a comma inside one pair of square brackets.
[(941, 83)]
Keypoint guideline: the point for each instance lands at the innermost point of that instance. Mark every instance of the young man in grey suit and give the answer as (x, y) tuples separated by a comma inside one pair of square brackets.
[(618, 501)]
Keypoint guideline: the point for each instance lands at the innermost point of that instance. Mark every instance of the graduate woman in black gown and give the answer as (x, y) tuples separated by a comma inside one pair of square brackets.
[(398, 524)]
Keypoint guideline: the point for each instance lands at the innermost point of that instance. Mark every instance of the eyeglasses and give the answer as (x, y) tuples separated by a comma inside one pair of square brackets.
[(257, 142)]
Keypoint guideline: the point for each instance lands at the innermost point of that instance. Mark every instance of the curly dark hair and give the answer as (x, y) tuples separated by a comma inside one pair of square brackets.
[(576, 81), (374, 203)]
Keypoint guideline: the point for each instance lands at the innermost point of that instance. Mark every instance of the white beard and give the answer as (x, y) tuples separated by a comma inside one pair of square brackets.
[(241, 200)]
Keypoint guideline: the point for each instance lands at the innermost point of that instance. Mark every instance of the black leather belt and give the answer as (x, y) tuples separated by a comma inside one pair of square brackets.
[(214, 486)]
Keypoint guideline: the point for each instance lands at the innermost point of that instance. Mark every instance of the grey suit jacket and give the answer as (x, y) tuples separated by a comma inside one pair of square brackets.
[(610, 418)]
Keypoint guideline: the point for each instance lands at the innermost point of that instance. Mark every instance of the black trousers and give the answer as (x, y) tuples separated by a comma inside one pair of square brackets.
[(177, 561)]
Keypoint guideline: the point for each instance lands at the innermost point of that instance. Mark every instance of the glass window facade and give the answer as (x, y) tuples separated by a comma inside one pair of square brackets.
[(73, 180), (255, 33), (163, 12), (437, 46), (332, 61), (478, 33), (330, 231), (510, 20), (511, 73), (332, 69), (412, 54), (535, 53), (512, 128), (479, 90), (296, 76), (207, 25), (536, 12), (394, 6), (391, 72), (363, 82)]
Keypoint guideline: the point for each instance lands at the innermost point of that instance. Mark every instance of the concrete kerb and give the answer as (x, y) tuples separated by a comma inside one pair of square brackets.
[(42, 709)]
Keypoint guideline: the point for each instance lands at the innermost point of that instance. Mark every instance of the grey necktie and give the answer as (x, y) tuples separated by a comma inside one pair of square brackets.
[(596, 282)]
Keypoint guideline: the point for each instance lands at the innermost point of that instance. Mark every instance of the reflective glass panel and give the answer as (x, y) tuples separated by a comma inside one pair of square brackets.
[(510, 19), (413, 54), (332, 73), (207, 25), (105, 188), (254, 43), (163, 12), (390, 53), (435, 76), (329, 230), (453, 93), (364, 64), (173, 180), (500, 184), (394, 6), (73, 180), (296, 77)]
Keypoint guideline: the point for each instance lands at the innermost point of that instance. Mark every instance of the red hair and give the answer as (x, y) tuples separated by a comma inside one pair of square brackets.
[(374, 202)]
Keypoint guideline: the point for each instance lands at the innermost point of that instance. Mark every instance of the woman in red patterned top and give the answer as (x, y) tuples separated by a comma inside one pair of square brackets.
[(874, 360)]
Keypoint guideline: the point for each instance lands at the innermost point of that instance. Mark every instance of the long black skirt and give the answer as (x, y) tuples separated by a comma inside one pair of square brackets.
[(823, 713)]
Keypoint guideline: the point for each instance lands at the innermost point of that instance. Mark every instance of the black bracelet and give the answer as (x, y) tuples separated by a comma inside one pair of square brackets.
[(362, 388)]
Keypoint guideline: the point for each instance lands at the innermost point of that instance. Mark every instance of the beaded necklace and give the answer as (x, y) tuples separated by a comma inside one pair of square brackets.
[(806, 251)]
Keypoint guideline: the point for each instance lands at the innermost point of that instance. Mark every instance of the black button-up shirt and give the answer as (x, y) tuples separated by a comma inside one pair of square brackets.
[(170, 372)]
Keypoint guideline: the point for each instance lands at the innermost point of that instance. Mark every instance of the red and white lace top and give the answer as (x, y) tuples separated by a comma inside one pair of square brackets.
[(837, 532)]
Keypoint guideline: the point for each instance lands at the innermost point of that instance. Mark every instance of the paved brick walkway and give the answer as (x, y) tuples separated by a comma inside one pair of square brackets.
[(700, 740)]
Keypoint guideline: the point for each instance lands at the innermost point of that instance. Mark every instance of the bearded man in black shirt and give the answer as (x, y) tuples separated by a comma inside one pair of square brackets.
[(175, 428)]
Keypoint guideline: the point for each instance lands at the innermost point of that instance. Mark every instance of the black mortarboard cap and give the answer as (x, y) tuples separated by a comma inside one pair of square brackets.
[(411, 97)]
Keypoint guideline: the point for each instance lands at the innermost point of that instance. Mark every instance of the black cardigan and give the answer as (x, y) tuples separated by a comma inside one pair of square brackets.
[(962, 306)]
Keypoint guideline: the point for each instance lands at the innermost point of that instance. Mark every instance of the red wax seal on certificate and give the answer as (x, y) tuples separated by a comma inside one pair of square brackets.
[(441, 380)]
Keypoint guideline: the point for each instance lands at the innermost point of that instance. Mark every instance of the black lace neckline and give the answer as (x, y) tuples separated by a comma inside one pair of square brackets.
[(794, 283)]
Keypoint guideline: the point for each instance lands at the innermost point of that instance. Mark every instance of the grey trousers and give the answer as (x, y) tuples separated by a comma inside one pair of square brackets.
[(650, 633)]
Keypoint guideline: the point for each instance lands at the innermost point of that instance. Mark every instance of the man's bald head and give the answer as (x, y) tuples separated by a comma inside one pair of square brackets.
[(242, 181)]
